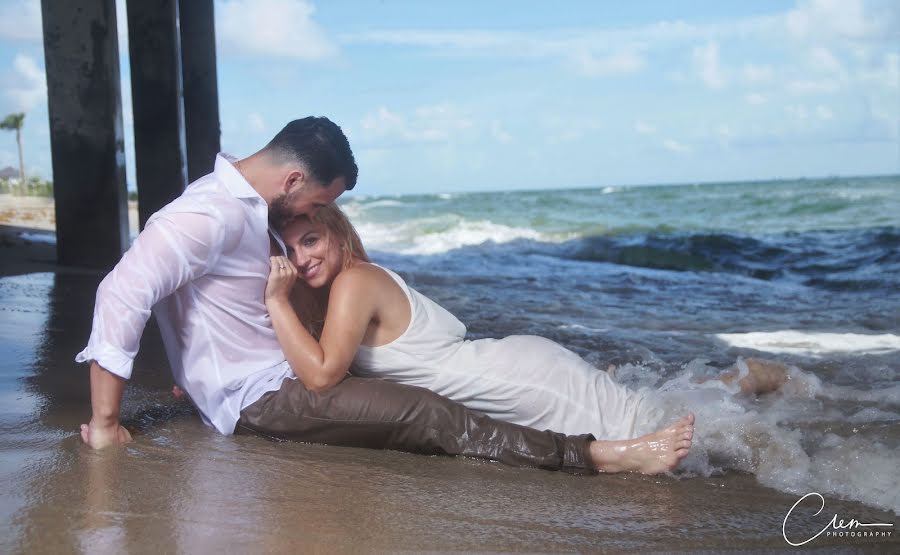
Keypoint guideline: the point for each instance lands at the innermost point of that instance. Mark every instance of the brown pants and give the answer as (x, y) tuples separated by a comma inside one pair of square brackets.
[(379, 414)]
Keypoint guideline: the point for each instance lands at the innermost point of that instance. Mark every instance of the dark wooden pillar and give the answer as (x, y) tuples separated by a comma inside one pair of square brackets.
[(153, 48), (85, 106), (201, 91)]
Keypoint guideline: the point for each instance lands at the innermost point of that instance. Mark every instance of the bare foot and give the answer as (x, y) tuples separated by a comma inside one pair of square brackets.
[(765, 376), (654, 453)]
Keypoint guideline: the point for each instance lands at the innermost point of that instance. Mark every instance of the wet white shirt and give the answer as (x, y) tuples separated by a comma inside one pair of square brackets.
[(201, 264)]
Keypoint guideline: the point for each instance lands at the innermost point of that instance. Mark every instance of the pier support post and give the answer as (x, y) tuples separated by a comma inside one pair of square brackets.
[(153, 48), (85, 108), (201, 91)]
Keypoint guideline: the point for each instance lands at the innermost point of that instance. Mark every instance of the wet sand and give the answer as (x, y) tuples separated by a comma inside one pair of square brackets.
[(180, 487)]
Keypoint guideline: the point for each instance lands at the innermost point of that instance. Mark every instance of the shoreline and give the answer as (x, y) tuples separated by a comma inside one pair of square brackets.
[(39, 213)]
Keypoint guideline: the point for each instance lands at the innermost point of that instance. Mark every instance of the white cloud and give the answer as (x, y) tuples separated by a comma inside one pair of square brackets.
[(886, 75), (797, 111), (824, 112), (543, 43), (622, 61), (21, 20), (427, 124), (255, 122), (813, 86), (280, 28), (850, 24), (757, 73), (755, 99), (644, 128), (557, 129), (821, 59), (825, 20), (676, 146), (499, 133), (706, 65), (30, 88)]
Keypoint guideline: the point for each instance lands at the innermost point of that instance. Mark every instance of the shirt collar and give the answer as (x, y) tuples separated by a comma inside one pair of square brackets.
[(234, 181), (228, 175)]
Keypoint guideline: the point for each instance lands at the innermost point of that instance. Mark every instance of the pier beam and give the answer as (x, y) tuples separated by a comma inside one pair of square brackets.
[(153, 48), (85, 108), (201, 91)]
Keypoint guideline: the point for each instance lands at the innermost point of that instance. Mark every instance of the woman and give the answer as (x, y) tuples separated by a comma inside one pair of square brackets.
[(382, 328)]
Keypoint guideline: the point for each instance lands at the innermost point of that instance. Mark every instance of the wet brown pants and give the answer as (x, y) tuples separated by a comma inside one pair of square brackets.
[(379, 414)]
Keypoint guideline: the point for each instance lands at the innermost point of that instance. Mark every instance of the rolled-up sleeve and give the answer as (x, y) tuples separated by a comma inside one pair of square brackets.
[(174, 249)]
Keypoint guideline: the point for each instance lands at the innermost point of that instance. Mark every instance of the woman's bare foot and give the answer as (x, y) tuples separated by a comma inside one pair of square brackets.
[(654, 453), (765, 376)]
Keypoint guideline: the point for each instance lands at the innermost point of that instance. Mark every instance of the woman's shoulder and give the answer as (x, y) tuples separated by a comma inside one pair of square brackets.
[(364, 276)]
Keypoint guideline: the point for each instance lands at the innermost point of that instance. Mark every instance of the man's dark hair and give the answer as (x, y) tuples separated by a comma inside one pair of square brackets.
[(320, 146)]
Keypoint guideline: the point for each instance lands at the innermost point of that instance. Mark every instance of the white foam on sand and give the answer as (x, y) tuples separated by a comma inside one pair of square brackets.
[(812, 343), (779, 438)]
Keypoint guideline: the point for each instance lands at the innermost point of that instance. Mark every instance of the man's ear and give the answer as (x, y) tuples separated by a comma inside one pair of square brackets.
[(293, 181)]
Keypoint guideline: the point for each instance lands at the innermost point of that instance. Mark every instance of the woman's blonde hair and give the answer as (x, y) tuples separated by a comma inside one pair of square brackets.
[(312, 304)]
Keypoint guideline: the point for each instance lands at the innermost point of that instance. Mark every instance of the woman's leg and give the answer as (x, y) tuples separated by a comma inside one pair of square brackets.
[(535, 382), (765, 376)]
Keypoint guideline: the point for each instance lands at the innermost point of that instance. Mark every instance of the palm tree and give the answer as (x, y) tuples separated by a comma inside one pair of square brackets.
[(16, 121)]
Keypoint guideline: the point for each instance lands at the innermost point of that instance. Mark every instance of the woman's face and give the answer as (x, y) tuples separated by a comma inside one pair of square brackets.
[(318, 260)]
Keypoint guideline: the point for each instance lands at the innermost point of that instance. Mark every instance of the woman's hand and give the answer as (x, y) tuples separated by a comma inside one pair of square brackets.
[(282, 276)]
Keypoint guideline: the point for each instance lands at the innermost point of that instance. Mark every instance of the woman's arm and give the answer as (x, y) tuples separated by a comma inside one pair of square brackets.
[(351, 306)]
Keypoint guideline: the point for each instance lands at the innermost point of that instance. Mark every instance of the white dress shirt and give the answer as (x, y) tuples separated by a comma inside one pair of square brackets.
[(201, 264)]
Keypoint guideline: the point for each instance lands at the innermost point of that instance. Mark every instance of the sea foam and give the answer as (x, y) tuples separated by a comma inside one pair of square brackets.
[(427, 236), (793, 440), (812, 343)]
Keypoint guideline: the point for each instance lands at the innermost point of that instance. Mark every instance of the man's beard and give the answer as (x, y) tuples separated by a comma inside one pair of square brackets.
[(279, 213)]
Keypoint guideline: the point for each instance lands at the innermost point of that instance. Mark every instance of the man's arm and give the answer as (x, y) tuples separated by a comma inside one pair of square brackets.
[(172, 251), (321, 364)]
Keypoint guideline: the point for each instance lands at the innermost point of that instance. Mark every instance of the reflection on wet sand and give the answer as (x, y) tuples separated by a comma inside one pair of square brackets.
[(181, 488)]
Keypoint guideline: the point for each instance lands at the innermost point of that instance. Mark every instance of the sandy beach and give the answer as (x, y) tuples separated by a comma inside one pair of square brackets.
[(40, 212)]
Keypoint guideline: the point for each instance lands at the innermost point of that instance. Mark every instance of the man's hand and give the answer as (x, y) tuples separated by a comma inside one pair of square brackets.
[(281, 279), (99, 437), (106, 399)]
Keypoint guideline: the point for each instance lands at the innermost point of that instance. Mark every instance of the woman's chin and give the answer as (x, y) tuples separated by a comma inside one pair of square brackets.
[(316, 282)]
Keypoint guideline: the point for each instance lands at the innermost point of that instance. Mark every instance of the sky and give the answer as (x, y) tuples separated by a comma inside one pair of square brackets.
[(511, 95)]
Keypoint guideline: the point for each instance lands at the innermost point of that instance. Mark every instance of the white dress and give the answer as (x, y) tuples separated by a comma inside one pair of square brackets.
[(524, 379)]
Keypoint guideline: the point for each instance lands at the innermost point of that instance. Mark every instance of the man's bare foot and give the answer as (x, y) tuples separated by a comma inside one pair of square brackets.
[(654, 453), (765, 376)]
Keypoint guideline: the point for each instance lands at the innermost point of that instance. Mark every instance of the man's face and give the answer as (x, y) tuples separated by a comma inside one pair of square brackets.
[(303, 199)]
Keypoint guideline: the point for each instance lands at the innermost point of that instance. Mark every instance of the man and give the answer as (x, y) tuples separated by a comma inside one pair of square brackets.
[(201, 265)]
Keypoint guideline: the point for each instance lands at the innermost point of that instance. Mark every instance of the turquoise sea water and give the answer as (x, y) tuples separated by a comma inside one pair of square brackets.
[(427, 224)]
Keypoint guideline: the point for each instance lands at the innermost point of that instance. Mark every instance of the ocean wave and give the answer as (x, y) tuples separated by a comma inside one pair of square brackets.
[(813, 343), (429, 236), (788, 440), (852, 260), (847, 260)]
